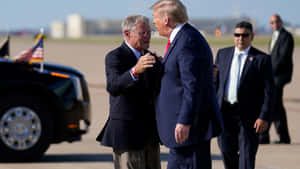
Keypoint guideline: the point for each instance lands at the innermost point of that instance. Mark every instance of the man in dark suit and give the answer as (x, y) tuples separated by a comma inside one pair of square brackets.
[(187, 111), (131, 128), (281, 51), (245, 86)]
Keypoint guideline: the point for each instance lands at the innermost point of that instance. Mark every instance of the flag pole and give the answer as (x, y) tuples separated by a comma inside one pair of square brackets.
[(8, 37), (4, 48), (42, 63)]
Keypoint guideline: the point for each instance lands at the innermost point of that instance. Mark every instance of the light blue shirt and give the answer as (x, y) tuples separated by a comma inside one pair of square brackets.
[(137, 55), (136, 52), (243, 61)]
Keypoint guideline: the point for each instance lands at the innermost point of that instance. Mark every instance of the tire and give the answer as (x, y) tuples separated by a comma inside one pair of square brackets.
[(26, 128)]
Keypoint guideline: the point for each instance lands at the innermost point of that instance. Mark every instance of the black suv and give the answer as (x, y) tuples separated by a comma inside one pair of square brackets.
[(40, 107)]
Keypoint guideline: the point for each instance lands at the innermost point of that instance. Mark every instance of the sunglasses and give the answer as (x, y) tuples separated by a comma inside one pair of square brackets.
[(244, 35)]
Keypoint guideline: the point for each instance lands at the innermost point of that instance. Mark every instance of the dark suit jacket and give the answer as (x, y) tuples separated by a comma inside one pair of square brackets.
[(131, 121), (187, 94), (256, 84), (282, 58)]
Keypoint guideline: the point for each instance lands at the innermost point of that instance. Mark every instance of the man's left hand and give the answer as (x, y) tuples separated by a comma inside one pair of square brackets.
[(215, 70), (182, 132), (260, 125)]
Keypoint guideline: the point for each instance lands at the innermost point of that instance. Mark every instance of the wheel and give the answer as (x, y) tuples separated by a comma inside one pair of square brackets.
[(26, 128)]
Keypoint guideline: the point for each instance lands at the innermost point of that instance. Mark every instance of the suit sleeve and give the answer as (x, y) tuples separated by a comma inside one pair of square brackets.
[(266, 70), (117, 80), (191, 69), (284, 67), (287, 47)]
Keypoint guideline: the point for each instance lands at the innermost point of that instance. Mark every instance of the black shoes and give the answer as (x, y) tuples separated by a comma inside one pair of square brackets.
[(264, 141), (282, 142)]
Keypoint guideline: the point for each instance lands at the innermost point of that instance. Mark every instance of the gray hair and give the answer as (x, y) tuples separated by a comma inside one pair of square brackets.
[(129, 23), (173, 9)]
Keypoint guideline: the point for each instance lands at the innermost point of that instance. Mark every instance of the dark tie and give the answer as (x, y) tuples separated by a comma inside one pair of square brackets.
[(167, 47)]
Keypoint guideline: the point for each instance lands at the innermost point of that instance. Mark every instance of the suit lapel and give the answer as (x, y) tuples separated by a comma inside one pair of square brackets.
[(169, 51), (129, 54), (280, 37), (227, 63), (250, 58), (130, 60), (173, 43)]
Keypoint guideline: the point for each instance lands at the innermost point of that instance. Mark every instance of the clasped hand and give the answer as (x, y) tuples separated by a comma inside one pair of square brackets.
[(144, 62)]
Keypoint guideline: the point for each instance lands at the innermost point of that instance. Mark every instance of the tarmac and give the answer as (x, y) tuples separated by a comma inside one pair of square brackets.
[(88, 154)]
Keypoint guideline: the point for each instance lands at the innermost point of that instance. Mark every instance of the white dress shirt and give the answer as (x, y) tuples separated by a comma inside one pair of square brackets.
[(175, 31), (274, 39)]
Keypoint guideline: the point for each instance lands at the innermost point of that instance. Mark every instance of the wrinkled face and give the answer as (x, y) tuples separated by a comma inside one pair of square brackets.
[(275, 23), (159, 22), (242, 38), (139, 38)]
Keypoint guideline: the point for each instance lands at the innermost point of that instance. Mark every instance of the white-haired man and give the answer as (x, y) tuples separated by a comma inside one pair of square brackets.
[(131, 129)]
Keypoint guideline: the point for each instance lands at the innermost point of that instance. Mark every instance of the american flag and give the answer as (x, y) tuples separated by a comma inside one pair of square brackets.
[(34, 54)]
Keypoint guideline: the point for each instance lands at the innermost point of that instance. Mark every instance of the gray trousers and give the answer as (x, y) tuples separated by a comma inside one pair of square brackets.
[(146, 158)]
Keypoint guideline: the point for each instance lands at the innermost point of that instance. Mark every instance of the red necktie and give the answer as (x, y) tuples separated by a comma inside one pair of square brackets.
[(167, 47)]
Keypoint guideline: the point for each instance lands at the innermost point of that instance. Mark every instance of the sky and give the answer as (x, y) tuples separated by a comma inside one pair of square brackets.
[(34, 14)]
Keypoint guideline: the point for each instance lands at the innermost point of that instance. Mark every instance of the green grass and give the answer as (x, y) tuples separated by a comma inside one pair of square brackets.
[(261, 40), (212, 40), (228, 40)]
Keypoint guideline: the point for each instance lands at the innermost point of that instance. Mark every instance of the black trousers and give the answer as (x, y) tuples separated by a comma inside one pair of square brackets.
[(279, 118), (239, 141), (190, 157)]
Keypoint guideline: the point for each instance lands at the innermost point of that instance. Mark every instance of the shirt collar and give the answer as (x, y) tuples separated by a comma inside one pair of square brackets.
[(244, 52), (175, 31), (136, 52), (278, 31)]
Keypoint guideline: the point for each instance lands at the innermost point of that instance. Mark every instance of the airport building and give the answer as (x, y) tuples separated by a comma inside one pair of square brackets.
[(57, 29), (78, 27), (75, 26)]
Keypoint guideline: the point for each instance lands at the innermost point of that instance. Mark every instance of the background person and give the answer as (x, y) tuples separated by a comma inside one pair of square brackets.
[(244, 91), (281, 51)]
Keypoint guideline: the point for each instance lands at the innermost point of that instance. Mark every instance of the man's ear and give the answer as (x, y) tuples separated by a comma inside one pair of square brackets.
[(166, 20), (252, 36), (126, 33)]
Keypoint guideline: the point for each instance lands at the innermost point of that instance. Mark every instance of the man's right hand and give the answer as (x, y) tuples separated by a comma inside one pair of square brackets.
[(146, 61)]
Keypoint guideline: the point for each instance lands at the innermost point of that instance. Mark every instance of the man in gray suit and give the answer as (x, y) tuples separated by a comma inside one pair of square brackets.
[(281, 51)]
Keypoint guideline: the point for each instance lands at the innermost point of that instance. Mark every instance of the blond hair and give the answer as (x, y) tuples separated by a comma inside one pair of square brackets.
[(174, 9)]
